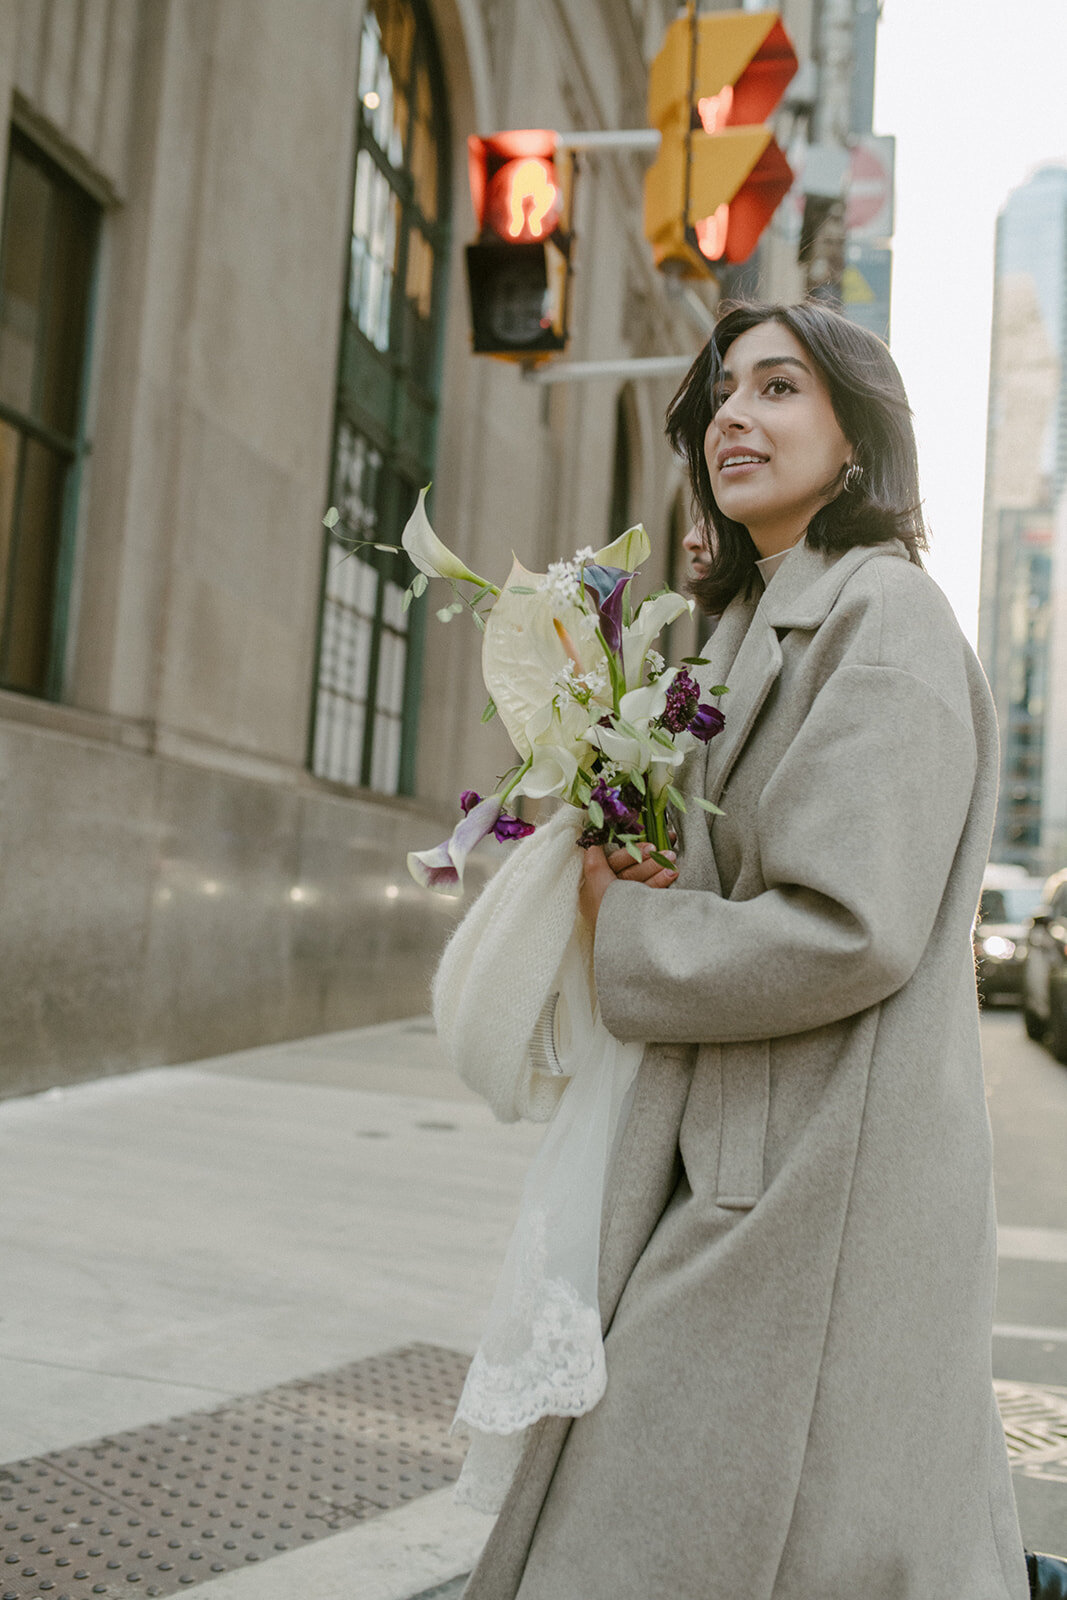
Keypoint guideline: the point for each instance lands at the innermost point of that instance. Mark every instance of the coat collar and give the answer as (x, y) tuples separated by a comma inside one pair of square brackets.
[(803, 590), (800, 595)]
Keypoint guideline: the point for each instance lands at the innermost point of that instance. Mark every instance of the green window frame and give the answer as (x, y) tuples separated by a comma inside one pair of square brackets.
[(48, 254), (364, 715)]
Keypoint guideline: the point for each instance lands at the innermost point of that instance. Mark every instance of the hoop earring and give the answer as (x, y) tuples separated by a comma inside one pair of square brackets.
[(853, 477)]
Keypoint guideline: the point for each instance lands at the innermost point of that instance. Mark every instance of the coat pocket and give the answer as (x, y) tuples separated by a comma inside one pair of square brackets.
[(724, 1129), (746, 1101)]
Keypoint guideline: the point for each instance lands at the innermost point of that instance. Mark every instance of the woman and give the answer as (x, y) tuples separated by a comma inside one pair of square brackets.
[(799, 1242)]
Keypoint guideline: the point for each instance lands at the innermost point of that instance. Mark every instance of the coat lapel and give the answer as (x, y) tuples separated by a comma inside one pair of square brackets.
[(755, 668), (800, 595)]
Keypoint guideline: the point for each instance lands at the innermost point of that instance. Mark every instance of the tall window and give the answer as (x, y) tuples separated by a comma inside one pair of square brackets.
[(47, 254), (366, 688)]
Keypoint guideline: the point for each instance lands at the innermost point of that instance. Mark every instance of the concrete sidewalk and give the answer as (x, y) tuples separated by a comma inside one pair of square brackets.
[(178, 1237)]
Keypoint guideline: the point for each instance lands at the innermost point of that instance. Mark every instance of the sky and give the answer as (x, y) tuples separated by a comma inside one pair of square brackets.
[(975, 92)]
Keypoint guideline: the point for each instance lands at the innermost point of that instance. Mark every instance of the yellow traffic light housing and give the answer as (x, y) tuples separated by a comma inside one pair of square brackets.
[(719, 176)]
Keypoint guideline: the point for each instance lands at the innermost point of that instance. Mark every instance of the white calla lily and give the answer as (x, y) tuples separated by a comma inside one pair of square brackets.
[(633, 746), (559, 740), (652, 616), (627, 551), (428, 553)]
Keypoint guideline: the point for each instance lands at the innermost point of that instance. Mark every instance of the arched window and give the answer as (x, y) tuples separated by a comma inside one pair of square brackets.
[(366, 689)]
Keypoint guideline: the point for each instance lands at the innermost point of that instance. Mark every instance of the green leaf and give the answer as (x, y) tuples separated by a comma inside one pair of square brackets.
[(596, 813), (706, 805), (520, 588), (694, 661), (635, 852), (332, 518), (627, 728), (408, 597), (479, 621), (676, 799), (490, 711), (418, 584), (456, 607), (661, 860), (390, 549), (720, 688), (638, 781), (445, 614)]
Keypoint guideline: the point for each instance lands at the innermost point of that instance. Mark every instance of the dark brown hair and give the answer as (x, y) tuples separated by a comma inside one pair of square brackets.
[(872, 411)]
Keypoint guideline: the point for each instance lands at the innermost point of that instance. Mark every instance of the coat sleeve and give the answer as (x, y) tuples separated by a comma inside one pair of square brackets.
[(857, 831)]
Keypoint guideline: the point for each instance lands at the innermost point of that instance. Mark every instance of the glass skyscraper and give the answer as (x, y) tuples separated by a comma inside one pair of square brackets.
[(1022, 636)]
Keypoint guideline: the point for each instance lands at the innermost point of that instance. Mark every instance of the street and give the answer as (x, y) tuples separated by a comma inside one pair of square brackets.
[(1027, 1094)]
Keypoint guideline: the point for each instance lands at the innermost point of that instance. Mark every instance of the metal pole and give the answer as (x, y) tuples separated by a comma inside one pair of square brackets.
[(635, 367), (611, 139)]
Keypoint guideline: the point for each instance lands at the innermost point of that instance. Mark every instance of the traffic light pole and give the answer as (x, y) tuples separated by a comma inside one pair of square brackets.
[(627, 367), (610, 139), (581, 140)]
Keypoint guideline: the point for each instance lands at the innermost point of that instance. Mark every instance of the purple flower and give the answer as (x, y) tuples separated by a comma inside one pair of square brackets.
[(618, 813), (682, 698), (605, 587), (707, 722), (686, 713), (506, 826)]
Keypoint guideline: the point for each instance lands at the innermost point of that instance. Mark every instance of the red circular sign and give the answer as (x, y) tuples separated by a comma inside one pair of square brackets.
[(868, 187)]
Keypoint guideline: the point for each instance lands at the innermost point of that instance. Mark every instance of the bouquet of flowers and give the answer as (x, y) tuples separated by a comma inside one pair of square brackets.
[(596, 717)]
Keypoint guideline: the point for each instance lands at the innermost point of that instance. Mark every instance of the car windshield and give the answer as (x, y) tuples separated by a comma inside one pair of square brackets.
[(1009, 905)]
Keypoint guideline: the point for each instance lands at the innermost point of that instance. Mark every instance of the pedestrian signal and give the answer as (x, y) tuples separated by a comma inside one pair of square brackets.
[(518, 268)]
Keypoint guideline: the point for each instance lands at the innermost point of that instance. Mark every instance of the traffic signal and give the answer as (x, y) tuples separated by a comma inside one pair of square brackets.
[(518, 269), (719, 176)]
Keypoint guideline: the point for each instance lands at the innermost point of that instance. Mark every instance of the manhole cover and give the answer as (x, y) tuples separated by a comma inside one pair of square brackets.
[(1035, 1426), (157, 1509)]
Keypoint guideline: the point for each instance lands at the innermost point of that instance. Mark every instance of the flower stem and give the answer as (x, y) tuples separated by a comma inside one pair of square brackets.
[(656, 821), (520, 774)]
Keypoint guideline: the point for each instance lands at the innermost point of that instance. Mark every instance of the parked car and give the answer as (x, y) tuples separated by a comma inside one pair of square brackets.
[(1009, 898), (1045, 968)]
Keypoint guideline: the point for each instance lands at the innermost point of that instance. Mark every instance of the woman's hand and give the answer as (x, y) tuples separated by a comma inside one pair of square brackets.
[(599, 873)]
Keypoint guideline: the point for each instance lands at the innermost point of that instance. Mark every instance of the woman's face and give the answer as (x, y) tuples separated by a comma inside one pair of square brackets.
[(774, 444)]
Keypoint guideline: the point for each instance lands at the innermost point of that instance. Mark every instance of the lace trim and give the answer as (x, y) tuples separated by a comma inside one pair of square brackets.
[(562, 1372)]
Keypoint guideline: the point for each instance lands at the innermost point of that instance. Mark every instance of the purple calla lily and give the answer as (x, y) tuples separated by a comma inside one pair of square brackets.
[(605, 587), (506, 827), (441, 868)]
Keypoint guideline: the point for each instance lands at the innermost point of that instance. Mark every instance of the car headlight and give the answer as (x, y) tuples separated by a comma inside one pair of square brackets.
[(999, 948)]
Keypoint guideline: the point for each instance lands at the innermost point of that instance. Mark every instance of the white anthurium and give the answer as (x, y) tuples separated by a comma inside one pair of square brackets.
[(522, 652), (654, 615), (429, 554), (628, 551)]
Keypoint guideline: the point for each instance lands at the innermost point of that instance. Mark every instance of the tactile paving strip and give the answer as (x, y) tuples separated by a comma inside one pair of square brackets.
[(157, 1509), (1035, 1426)]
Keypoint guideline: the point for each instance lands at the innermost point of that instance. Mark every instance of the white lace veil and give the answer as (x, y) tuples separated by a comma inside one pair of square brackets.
[(542, 1352)]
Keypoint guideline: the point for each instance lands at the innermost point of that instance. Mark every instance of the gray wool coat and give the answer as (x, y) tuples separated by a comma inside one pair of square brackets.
[(799, 1243)]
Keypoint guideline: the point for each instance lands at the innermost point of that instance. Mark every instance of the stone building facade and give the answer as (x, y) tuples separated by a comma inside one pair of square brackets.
[(233, 294)]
